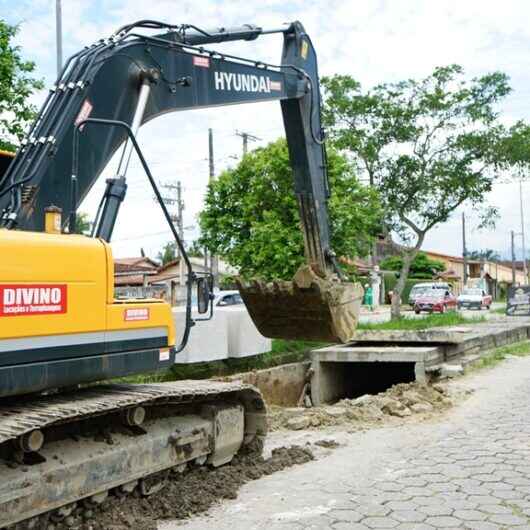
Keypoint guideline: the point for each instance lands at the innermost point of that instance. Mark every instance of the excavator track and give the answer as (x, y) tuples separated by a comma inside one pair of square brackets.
[(72, 449)]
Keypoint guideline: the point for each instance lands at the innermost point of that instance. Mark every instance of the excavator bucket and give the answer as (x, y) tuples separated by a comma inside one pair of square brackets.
[(308, 308)]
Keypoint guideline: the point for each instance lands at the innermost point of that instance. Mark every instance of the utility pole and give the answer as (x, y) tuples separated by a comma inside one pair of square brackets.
[(246, 137), (180, 224), (59, 36), (214, 262), (512, 235), (522, 232), (174, 198), (464, 249)]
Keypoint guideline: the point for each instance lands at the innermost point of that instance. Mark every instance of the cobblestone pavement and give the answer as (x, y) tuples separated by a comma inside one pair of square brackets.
[(469, 470)]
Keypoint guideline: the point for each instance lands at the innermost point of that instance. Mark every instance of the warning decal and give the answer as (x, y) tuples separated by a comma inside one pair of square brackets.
[(140, 313), (84, 113), (31, 299), (199, 60)]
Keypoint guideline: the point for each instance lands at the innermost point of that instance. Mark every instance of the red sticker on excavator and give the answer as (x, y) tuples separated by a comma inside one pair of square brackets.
[(137, 313), (199, 60), (32, 299), (84, 113)]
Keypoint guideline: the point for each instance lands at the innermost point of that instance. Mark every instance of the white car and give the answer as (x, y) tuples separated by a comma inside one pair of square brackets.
[(227, 298), (474, 298)]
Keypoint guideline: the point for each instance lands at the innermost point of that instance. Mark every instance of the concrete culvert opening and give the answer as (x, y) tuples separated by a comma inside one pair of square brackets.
[(340, 380)]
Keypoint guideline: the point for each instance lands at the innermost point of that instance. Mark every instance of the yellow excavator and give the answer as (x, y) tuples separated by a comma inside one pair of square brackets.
[(65, 440)]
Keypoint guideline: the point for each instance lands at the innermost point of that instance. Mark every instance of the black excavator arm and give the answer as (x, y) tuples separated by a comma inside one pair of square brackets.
[(108, 90), (133, 78)]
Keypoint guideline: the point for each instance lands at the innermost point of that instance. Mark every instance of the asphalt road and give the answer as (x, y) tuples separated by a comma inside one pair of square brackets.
[(469, 469)]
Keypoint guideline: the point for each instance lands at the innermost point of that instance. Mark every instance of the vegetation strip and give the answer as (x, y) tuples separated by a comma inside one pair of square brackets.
[(494, 357), (430, 321)]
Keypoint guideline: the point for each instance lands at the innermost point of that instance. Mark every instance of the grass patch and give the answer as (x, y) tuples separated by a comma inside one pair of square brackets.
[(499, 310), (518, 349), (430, 321), (282, 352)]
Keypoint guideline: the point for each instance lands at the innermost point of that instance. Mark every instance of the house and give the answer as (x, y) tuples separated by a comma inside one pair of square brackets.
[(454, 265), (171, 277), (492, 276), (131, 276)]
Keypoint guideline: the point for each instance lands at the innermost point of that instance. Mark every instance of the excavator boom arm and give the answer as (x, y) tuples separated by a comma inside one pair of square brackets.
[(105, 81)]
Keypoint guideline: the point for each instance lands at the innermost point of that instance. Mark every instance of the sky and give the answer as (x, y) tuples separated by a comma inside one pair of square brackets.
[(373, 40)]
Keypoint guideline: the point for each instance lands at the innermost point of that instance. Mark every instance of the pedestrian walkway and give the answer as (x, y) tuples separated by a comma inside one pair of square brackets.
[(471, 470)]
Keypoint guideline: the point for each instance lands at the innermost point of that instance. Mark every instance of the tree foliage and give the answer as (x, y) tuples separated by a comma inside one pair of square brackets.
[(16, 87), (82, 223), (427, 145), (421, 267), (251, 214), (486, 254), (168, 253), (195, 249)]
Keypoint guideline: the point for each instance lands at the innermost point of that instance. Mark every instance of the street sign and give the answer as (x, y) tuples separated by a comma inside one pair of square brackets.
[(518, 303)]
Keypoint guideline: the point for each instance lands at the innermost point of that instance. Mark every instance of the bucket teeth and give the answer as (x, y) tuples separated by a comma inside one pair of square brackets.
[(308, 308)]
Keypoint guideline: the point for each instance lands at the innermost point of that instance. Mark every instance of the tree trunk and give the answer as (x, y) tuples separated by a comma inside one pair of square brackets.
[(408, 258)]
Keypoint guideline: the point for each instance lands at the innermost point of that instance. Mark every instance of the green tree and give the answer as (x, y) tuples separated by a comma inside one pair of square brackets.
[(16, 86), (168, 253), (421, 267), (82, 223), (486, 254), (195, 250), (427, 145), (251, 215)]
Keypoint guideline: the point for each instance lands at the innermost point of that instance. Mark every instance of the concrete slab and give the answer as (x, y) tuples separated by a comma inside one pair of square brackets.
[(378, 354), (452, 335), (230, 333), (441, 335), (387, 355)]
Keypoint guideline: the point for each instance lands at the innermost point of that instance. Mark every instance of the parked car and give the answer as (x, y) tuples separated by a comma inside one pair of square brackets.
[(227, 298), (435, 300), (474, 298), (424, 288)]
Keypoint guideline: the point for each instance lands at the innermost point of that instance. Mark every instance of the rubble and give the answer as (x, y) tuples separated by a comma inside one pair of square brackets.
[(451, 370), (299, 423), (421, 407), (398, 403)]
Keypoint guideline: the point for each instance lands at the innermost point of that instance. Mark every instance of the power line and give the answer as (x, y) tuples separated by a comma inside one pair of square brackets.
[(246, 137)]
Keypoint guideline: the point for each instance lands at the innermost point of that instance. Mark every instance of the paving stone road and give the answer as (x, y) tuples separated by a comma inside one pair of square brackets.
[(469, 470)]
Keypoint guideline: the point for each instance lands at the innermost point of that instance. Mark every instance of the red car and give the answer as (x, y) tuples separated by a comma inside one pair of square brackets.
[(439, 301)]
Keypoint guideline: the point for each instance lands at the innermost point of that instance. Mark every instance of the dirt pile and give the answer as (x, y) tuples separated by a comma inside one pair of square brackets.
[(186, 494), (398, 402)]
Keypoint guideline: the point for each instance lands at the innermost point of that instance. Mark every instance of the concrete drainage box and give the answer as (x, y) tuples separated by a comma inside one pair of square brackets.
[(378, 359), (351, 371), (229, 334)]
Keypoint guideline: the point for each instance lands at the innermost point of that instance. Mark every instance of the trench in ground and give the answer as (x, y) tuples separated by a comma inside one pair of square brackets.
[(349, 380)]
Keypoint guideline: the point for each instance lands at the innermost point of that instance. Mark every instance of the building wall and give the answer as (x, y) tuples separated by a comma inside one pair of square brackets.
[(496, 272)]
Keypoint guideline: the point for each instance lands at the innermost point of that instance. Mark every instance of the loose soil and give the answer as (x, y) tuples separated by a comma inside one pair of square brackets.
[(399, 403), (186, 494)]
